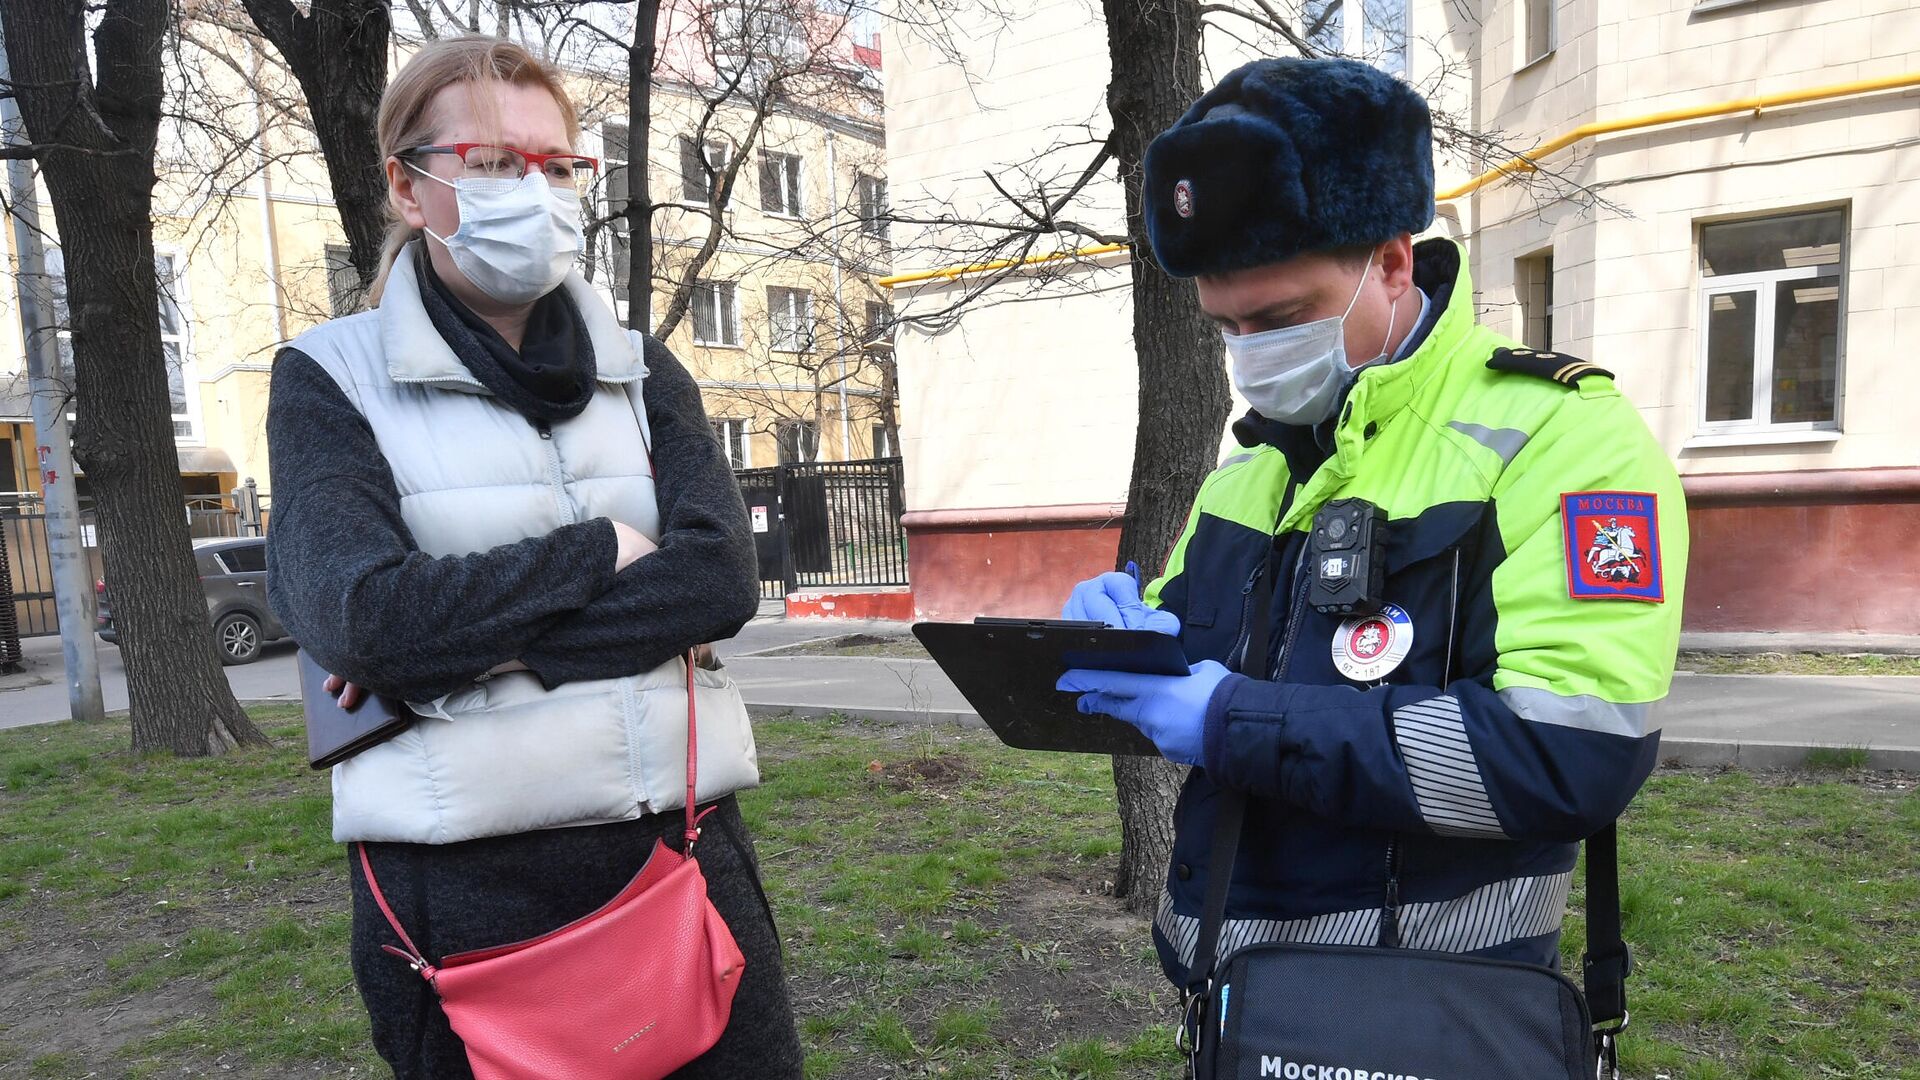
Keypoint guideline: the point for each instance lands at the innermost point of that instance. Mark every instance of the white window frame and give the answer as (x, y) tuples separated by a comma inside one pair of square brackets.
[(719, 154), (792, 171), (196, 434), (608, 164), (189, 371), (755, 43), (614, 253), (1353, 30), (1762, 285), (873, 194), (693, 325), (779, 339), (1521, 60), (737, 439), (807, 428)]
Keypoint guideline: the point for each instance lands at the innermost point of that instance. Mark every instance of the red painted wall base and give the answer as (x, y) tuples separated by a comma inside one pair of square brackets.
[(894, 604), (1818, 551), (1018, 570)]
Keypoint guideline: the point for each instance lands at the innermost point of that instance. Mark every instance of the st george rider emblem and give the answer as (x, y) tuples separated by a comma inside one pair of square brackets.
[(1367, 647), (1183, 198), (1613, 545)]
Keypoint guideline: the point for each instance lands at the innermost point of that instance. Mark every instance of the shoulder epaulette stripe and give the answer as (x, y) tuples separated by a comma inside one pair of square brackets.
[(1553, 366)]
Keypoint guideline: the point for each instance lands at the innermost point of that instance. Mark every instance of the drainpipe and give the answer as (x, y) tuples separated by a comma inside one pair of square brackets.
[(839, 308), (270, 248)]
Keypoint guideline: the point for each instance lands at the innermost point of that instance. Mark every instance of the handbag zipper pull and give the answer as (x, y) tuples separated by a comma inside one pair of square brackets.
[(417, 963)]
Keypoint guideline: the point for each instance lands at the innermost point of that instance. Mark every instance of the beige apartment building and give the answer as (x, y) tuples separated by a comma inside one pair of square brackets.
[(784, 329), (1727, 216)]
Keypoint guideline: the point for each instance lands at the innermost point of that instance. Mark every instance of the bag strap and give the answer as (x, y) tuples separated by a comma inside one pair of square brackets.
[(693, 762), (1608, 961), (412, 954)]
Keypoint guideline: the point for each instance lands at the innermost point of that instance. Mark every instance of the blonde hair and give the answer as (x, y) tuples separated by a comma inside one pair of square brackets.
[(407, 118)]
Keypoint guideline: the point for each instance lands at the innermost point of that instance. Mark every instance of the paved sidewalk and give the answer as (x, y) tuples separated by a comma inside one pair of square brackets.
[(1762, 721), (39, 695), (1756, 720)]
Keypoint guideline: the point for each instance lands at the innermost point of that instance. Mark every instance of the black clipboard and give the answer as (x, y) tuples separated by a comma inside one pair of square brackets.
[(1007, 670), (335, 734)]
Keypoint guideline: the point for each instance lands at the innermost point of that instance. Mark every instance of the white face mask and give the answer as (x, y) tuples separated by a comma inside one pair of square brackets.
[(1296, 374), (517, 238)]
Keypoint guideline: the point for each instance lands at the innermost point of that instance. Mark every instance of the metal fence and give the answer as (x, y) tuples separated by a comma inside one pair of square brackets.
[(26, 564), (827, 524), (29, 569)]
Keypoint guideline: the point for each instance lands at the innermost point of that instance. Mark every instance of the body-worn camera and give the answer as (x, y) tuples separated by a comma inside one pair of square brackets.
[(1346, 554)]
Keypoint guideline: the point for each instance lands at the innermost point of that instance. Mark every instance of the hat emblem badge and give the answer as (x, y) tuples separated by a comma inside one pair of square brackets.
[(1183, 198)]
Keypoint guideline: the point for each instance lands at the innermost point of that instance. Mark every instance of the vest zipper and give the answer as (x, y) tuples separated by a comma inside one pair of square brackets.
[(556, 475)]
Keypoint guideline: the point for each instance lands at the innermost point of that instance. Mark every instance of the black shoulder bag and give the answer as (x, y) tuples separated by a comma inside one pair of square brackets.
[(1336, 1012)]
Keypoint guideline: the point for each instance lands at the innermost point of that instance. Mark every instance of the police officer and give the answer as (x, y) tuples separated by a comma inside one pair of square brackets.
[(1450, 697)]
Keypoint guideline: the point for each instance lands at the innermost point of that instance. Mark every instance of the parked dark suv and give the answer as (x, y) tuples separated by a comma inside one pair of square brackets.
[(233, 574)]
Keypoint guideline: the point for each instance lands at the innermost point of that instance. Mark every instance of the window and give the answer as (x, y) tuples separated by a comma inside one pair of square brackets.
[(878, 331), (245, 559), (1323, 25), (780, 183), (616, 192), (343, 281), (1533, 285), (799, 440), (1771, 304), (790, 317), (716, 314), (1370, 30), (873, 206), (1536, 36), (883, 443), (173, 343), (696, 179), (733, 436), (756, 39)]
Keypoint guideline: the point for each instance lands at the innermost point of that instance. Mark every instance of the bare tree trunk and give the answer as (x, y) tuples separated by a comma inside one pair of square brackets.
[(1155, 49), (889, 398), (95, 145), (640, 56), (338, 51)]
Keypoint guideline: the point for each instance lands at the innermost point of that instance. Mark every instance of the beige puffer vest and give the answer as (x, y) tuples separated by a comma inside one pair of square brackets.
[(506, 755)]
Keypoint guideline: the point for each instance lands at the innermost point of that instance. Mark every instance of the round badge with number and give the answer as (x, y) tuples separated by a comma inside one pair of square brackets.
[(1367, 647)]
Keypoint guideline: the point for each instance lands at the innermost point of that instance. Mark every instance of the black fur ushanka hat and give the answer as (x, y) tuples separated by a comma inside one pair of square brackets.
[(1288, 156)]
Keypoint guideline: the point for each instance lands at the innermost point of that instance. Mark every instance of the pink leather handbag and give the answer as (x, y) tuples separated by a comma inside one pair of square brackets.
[(632, 991)]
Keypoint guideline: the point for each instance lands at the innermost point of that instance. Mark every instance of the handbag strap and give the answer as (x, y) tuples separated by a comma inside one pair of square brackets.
[(412, 954), (693, 762)]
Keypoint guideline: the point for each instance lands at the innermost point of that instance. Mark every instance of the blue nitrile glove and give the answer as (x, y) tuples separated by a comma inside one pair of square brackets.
[(1171, 710), (1114, 599)]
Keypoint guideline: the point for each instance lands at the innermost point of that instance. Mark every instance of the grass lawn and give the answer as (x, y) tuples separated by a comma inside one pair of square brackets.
[(942, 900), (1774, 663)]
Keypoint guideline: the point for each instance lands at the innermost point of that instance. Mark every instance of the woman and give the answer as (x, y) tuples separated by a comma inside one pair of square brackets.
[(493, 502)]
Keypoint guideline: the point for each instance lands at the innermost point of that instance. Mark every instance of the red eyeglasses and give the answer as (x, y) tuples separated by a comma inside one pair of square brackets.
[(512, 163)]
